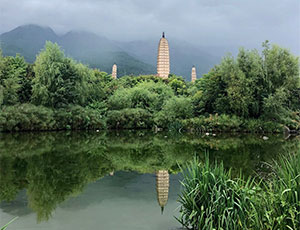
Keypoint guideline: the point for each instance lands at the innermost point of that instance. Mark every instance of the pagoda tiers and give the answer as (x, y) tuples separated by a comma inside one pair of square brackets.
[(162, 188), (163, 58), (114, 71), (194, 74)]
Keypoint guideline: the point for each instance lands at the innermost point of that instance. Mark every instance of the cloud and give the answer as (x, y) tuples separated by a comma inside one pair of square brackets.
[(204, 22)]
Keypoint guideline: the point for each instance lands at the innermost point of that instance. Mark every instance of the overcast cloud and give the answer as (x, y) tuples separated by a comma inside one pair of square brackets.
[(203, 22)]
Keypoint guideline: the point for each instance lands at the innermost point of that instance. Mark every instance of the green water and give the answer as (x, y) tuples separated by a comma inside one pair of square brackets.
[(107, 180)]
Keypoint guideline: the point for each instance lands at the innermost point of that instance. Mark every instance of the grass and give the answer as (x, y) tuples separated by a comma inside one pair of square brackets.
[(5, 226), (281, 201), (212, 199)]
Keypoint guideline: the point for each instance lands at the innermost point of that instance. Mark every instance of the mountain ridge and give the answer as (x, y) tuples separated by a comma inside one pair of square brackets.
[(135, 57)]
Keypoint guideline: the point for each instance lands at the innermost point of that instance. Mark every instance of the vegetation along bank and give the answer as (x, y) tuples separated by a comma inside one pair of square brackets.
[(254, 92)]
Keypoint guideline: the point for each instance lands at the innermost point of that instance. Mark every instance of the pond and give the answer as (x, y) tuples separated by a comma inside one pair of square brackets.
[(113, 180)]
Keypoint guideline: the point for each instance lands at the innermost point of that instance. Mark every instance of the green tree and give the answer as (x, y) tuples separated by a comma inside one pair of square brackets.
[(57, 81), (174, 110), (177, 84), (12, 71)]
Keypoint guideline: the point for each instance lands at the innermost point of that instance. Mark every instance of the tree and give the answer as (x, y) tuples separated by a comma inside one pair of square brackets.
[(249, 85), (174, 109), (57, 81), (12, 71)]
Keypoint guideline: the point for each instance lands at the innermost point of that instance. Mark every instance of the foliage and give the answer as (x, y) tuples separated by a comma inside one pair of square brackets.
[(174, 109), (12, 74), (226, 123), (57, 81), (281, 203), (130, 118), (28, 117), (254, 92), (177, 84), (212, 200), (250, 85), (77, 117)]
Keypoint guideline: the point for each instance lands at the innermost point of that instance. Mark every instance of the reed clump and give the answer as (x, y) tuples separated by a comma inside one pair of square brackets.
[(212, 199)]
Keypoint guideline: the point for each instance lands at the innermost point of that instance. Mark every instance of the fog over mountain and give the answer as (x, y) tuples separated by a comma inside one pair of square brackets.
[(135, 57), (199, 31), (204, 23)]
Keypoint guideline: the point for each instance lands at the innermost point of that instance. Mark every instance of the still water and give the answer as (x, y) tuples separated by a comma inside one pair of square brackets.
[(113, 180)]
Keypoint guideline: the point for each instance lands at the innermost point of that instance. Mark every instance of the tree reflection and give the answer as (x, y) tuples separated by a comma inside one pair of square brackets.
[(55, 166)]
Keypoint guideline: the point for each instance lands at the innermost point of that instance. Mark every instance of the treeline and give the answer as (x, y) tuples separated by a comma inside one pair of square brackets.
[(254, 92)]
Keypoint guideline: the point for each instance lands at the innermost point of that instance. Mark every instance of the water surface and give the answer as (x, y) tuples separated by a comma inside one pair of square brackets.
[(107, 180)]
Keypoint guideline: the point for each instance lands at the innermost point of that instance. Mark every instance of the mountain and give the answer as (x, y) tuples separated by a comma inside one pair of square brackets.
[(136, 57), (27, 40), (88, 48)]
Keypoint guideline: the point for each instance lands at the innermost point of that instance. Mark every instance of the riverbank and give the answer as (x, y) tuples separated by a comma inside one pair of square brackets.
[(28, 117), (249, 93)]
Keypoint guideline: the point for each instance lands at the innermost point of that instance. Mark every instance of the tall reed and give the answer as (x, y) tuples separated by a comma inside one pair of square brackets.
[(281, 201), (212, 200)]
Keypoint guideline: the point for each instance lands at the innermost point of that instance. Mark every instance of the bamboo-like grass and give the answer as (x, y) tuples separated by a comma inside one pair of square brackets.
[(212, 199), (6, 225), (281, 201)]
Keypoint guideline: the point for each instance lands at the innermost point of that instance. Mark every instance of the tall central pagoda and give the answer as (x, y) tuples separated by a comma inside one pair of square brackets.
[(163, 58)]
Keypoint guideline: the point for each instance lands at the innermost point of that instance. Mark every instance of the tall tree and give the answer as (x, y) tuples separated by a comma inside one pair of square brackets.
[(12, 71), (57, 81)]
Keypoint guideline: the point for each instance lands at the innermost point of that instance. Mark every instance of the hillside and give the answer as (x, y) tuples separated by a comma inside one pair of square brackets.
[(136, 57), (89, 48)]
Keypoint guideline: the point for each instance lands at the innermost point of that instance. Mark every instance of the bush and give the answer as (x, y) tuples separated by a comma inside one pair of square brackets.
[(135, 118), (173, 111), (26, 117), (214, 123), (227, 123), (77, 117)]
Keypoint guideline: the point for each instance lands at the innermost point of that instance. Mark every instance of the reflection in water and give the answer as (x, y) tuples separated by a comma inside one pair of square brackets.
[(162, 188), (53, 167)]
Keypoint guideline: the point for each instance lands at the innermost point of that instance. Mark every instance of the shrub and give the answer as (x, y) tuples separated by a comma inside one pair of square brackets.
[(26, 117), (175, 109), (135, 118), (214, 123), (77, 117)]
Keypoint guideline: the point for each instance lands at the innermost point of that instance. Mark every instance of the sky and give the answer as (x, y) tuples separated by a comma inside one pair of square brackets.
[(205, 23)]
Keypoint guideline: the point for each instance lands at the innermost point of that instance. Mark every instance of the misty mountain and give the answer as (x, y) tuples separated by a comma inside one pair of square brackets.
[(136, 57), (88, 48), (26, 40)]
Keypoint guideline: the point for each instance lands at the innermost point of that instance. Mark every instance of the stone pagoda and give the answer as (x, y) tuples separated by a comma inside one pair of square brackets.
[(163, 58), (114, 71), (194, 74), (162, 188)]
